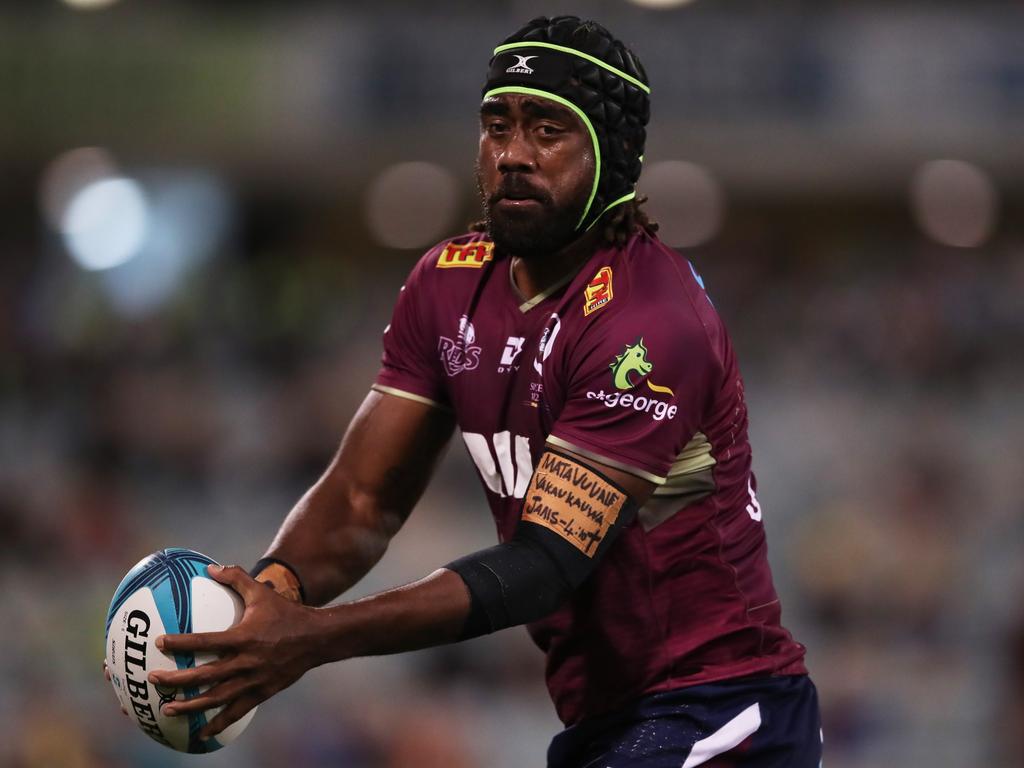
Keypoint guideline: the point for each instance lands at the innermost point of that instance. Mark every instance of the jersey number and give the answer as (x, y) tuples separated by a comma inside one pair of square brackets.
[(510, 476), (754, 507)]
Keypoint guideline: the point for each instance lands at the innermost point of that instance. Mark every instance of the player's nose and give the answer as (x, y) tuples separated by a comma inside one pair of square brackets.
[(517, 154)]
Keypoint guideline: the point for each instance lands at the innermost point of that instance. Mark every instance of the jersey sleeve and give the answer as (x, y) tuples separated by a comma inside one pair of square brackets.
[(410, 366), (638, 387)]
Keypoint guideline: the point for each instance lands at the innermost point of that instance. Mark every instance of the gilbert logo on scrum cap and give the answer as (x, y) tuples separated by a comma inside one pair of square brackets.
[(521, 67), (472, 255)]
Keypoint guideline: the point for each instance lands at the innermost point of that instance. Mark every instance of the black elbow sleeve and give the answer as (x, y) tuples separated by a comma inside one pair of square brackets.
[(513, 583), (526, 578)]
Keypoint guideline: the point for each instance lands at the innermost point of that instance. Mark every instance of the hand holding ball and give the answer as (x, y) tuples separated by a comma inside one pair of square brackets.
[(168, 592)]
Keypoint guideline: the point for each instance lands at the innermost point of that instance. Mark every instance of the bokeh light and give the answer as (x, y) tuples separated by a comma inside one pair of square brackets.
[(145, 243), (685, 200), (89, 5), (66, 176), (189, 215), (954, 203), (104, 224), (661, 4), (411, 205)]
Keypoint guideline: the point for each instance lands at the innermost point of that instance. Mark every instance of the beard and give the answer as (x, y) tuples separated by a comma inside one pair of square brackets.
[(534, 232)]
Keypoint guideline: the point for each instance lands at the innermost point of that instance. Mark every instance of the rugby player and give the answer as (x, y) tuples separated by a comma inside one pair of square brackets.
[(598, 394)]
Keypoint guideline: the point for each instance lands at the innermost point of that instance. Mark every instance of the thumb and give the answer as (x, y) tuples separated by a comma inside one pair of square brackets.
[(236, 578)]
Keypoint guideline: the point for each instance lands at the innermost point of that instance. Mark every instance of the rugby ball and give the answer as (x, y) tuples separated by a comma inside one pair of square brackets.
[(168, 592)]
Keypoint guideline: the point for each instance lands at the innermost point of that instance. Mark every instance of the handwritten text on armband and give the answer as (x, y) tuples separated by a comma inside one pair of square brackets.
[(574, 502)]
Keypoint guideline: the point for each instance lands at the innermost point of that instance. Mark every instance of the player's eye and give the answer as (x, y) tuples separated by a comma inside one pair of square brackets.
[(548, 130), (495, 127)]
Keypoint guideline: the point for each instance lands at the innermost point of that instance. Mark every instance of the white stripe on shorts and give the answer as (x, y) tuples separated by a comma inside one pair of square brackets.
[(726, 737)]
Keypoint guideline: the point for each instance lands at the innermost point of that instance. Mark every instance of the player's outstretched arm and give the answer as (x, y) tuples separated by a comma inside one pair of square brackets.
[(341, 527), (571, 515)]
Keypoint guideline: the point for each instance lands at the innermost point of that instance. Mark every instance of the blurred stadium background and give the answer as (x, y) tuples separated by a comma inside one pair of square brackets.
[(207, 211)]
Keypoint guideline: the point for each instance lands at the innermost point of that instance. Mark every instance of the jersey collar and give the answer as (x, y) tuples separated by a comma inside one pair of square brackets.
[(529, 304)]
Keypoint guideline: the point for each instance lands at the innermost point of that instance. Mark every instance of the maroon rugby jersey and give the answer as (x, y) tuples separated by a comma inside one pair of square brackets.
[(626, 362)]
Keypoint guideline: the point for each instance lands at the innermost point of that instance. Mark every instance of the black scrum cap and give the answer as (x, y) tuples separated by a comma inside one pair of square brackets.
[(580, 65)]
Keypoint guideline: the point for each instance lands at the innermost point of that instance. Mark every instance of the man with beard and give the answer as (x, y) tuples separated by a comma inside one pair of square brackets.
[(597, 392)]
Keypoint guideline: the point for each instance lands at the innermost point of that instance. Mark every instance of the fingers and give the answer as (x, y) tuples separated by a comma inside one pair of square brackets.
[(237, 696), (106, 676), (197, 642), (230, 714), (204, 674), (237, 579), (233, 681), (217, 696)]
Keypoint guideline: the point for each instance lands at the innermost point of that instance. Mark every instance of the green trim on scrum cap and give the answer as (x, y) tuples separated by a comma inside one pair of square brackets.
[(580, 114), (565, 49), (620, 201)]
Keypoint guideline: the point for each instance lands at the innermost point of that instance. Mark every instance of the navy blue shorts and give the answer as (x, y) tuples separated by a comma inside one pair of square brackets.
[(763, 722)]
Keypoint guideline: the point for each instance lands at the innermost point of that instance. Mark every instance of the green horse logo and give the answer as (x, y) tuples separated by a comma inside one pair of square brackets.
[(634, 360)]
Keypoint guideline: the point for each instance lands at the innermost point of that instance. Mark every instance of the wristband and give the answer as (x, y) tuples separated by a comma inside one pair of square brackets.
[(279, 576)]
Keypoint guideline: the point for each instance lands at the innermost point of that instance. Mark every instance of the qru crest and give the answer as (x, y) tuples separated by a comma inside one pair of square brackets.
[(460, 354), (547, 342)]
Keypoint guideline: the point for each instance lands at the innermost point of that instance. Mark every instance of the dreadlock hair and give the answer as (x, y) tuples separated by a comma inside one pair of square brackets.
[(626, 219)]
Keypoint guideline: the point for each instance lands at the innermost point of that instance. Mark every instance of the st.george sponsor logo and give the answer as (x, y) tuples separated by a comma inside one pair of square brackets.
[(633, 361), (658, 409)]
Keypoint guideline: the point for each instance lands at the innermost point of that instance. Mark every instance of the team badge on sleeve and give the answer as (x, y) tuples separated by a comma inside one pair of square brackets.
[(473, 255), (598, 291)]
